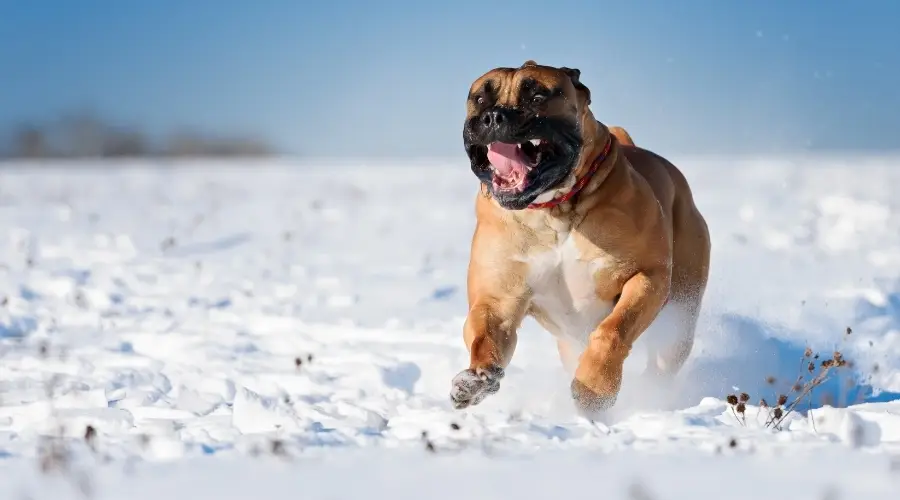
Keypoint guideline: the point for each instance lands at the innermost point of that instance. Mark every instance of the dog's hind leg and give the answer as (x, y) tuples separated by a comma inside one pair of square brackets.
[(671, 338), (690, 274), (568, 355)]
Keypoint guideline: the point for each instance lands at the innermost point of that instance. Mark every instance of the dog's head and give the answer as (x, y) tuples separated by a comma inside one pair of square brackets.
[(524, 130)]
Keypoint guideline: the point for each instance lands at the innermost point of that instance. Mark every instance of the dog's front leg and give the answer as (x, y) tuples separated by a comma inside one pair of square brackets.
[(490, 337), (498, 299), (599, 374)]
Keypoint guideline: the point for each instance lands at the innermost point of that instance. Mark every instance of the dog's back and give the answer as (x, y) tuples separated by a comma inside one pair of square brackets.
[(622, 136)]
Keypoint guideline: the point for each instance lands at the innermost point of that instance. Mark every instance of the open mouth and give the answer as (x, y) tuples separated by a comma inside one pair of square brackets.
[(518, 165), (510, 163)]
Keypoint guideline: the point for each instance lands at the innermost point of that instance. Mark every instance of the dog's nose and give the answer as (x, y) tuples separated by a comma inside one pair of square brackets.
[(492, 118)]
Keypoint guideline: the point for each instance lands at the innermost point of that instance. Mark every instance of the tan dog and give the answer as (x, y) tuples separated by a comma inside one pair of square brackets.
[(579, 229)]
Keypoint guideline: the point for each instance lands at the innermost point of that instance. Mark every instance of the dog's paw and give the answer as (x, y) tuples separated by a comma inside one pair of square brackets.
[(471, 386), (589, 403)]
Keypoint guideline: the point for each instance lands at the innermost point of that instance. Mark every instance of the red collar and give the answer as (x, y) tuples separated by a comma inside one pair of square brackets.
[(582, 182)]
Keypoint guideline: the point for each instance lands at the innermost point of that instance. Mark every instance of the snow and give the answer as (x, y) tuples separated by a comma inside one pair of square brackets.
[(290, 330)]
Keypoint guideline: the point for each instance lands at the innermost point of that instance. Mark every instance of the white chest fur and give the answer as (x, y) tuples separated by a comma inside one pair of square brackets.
[(564, 291)]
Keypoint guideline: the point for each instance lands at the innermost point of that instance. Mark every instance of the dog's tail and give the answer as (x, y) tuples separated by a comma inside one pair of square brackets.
[(622, 136)]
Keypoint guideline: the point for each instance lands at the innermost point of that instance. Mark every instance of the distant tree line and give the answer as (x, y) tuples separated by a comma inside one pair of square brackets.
[(85, 135)]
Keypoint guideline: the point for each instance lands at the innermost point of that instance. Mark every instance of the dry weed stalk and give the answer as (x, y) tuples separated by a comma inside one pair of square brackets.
[(813, 373)]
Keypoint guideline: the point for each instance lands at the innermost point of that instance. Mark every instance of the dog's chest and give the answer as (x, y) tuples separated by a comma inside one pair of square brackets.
[(564, 290)]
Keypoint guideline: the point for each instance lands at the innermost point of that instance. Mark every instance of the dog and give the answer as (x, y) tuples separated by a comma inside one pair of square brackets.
[(578, 228)]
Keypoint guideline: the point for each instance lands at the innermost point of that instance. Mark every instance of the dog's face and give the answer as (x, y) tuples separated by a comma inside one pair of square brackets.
[(523, 130)]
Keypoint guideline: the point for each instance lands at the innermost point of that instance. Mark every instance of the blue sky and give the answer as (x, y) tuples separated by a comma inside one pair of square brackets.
[(364, 78)]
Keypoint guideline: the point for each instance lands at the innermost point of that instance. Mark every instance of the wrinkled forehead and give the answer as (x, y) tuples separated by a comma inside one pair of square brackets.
[(507, 83)]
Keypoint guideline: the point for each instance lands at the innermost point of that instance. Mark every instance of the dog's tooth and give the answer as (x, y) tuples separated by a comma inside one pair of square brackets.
[(536, 142)]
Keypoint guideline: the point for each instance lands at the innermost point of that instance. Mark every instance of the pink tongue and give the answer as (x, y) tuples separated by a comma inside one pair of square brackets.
[(506, 158)]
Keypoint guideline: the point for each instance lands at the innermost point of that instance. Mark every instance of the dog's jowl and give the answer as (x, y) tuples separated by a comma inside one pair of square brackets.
[(577, 227)]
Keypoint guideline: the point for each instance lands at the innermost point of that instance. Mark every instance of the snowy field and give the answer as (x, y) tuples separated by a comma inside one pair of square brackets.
[(282, 331)]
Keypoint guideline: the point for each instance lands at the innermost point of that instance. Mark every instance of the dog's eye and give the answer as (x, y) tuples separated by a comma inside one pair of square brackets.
[(479, 100), (538, 98)]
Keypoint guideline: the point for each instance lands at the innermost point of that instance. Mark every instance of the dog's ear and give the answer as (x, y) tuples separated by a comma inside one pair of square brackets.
[(574, 74), (528, 63)]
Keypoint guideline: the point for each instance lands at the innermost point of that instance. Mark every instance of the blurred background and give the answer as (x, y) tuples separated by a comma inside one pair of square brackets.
[(361, 79)]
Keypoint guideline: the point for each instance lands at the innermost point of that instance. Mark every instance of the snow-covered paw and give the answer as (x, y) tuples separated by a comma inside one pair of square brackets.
[(588, 403), (471, 386)]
